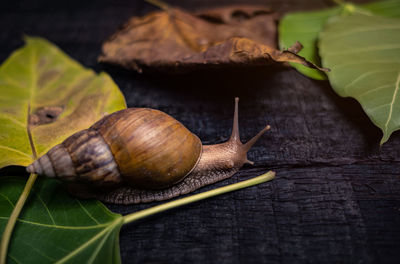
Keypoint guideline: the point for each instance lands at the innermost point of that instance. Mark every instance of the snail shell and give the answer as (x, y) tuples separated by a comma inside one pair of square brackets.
[(143, 147), (141, 155)]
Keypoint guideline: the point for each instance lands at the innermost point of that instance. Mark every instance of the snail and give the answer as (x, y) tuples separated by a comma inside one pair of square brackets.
[(141, 155)]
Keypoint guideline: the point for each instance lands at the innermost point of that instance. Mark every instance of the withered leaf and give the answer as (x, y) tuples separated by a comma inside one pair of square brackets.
[(173, 40)]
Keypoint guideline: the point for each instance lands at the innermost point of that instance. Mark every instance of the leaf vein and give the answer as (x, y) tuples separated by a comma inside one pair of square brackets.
[(86, 211), (14, 259), (5, 197), (365, 49), (396, 89), (362, 29), (376, 107), (359, 78), (362, 63), (47, 209), (12, 82), (38, 251), (15, 150), (58, 226), (86, 244), (15, 121), (374, 89), (99, 246)]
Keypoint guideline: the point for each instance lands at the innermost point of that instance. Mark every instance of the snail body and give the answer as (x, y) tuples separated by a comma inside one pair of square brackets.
[(141, 155)]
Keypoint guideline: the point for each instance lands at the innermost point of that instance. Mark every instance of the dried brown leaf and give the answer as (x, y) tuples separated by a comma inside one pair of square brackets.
[(173, 40)]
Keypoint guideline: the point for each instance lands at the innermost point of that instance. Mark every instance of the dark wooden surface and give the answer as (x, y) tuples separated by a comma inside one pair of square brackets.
[(336, 198)]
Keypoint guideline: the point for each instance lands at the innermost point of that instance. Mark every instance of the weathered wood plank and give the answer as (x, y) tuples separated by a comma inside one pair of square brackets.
[(306, 215)]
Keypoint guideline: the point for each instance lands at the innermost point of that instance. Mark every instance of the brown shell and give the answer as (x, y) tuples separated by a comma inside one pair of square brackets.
[(152, 149)]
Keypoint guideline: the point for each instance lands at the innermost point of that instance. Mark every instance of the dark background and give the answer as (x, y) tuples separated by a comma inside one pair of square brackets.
[(336, 197)]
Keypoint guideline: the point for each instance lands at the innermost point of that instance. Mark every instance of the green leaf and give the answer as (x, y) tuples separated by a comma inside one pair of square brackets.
[(61, 96), (305, 27), (363, 53), (388, 8), (55, 228)]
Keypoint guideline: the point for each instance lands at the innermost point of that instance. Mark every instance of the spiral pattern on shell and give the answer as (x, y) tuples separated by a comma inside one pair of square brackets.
[(143, 147)]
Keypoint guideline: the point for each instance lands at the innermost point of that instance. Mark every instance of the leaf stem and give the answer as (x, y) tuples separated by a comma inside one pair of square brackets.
[(5, 239), (197, 197)]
